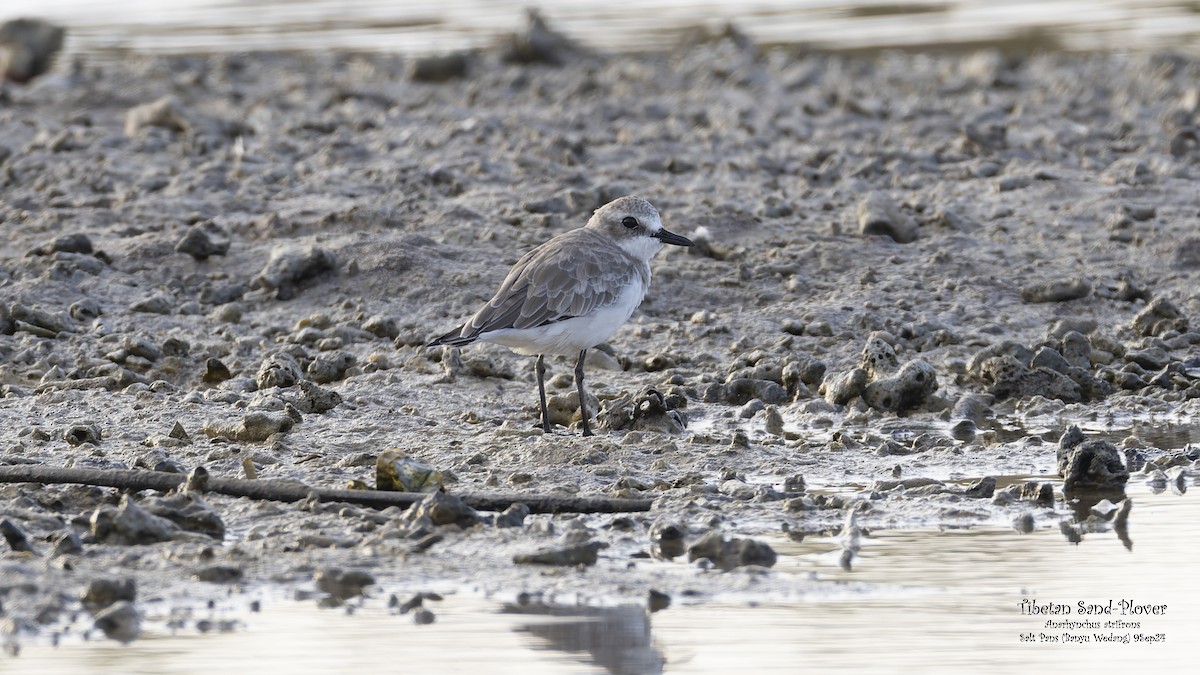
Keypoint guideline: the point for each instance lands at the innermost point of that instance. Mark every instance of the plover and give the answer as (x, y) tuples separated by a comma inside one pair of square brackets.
[(572, 292)]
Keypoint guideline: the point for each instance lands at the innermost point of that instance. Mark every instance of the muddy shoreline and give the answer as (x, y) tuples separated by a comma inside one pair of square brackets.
[(188, 239)]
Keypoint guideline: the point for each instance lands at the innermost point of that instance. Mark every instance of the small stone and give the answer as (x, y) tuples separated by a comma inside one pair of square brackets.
[(215, 371), (423, 617), (577, 554), (279, 369), (727, 554), (121, 621), (159, 303), (16, 538), (101, 593), (443, 509), (254, 427), (129, 525), (879, 215), (289, 268), (78, 434), (984, 488), (667, 540), (438, 68), (396, 471), (1059, 290), (203, 241), (27, 48), (841, 388), (1090, 465), (513, 516), (343, 584), (219, 574)]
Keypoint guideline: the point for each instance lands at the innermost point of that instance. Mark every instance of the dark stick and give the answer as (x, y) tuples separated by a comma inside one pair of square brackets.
[(587, 429), (294, 491), (541, 375)]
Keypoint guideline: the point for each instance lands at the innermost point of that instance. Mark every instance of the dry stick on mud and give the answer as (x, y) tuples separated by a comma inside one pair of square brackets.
[(294, 491)]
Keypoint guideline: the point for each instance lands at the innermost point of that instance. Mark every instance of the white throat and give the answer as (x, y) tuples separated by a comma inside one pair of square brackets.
[(642, 248)]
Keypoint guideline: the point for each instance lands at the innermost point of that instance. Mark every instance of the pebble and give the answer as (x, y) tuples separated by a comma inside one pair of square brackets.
[(841, 388), (396, 471), (330, 367), (1090, 465), (215, 371), (279, 369), (728, 554), (564, 556), (129, 525), (1057, 290), (203, 241), (14, 536), (442, 508), (1156, 319), (78, 434), (121, 621), (879, 215), (439, 68), (288, 268), (253, 427), (159, 303), (27, 48), (103, 592), (309, 398), (667, 540)]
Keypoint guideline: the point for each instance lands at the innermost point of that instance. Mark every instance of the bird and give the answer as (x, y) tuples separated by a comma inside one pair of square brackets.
[(572, 292)]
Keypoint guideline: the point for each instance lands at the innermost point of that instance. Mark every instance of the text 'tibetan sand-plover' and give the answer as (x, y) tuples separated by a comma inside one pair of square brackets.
[(572, 292)]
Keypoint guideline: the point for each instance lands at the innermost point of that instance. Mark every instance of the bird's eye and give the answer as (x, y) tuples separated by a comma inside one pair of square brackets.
[(629, 222)]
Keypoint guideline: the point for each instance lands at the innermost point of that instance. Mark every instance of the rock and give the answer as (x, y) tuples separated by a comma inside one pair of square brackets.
[(984, 488), (438, 68), (288, 268), (513, 516), (396, 471), (129, 525), (1090, 465), (16, 538), (742, 390), (537, 43), (27, 48), (575, 554), (650, 411), (102, 593), (342, 584), (203, 241), (727, 554), (1158, 317), (121, 622), (219, 574), (423, 617), (159, 303), (279, 369), (443, 509), (667, 540), (910, 387), (78, 434), (215, 371), (841, 388), (253, 427), (165, 113), (879, 215), (54, 323), (1005, 377), (330, 367), (67, 243), (188, 511), (66, 542), (382, 326), (313, 399), (1058, 290)]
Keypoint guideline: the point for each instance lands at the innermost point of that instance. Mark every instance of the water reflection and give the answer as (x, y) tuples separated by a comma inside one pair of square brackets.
[(614, 638)]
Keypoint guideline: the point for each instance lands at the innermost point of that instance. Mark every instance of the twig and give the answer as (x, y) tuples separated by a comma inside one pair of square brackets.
[(294, 491)]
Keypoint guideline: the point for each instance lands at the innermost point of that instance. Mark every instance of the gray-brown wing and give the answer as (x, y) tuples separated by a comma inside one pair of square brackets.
[(570, 275)]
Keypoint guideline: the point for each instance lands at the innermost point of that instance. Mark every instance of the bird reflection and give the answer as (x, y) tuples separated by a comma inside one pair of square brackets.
[(614, 638)]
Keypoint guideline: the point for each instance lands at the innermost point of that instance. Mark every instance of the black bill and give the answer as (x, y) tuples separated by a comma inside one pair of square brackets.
[(672, 238)]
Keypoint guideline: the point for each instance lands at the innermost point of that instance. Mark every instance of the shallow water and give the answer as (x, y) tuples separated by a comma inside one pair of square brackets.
[(916, 601), (423, 26)]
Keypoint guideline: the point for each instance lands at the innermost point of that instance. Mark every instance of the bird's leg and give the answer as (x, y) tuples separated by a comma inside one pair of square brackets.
[(541, 376), (587, 429)]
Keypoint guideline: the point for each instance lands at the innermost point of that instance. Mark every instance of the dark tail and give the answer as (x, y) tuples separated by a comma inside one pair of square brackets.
[(454, 338)]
